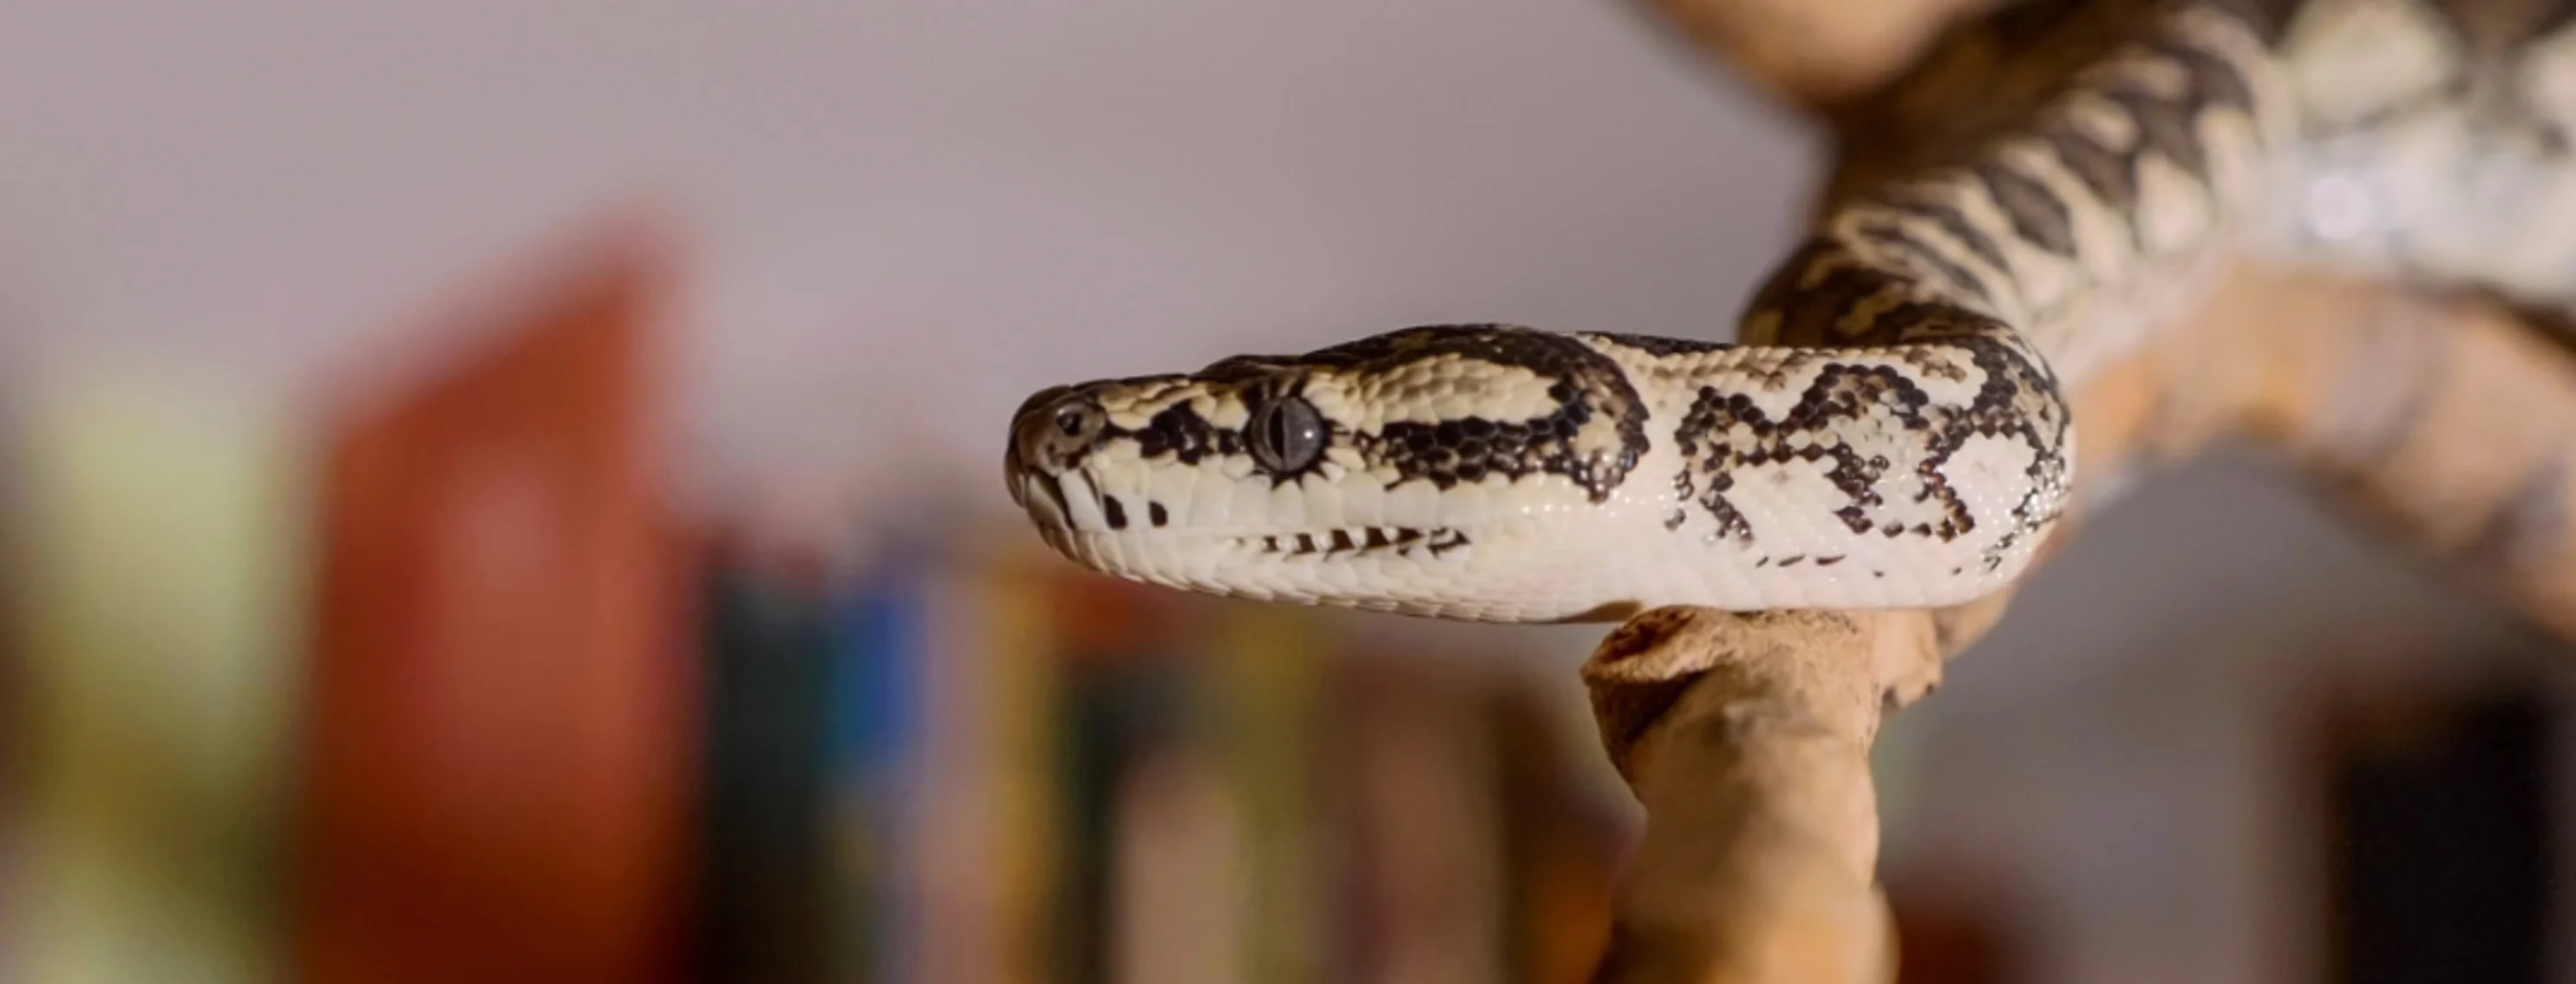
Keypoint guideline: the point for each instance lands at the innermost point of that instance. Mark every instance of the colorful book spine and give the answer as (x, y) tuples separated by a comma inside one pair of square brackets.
[(1268, 664), (1559, 851), (1174, 854), (987, 860), (501, 746), (879, 639), (157, 599), (1425, 846), (1112, 702), (1070, 779), (764, 879)]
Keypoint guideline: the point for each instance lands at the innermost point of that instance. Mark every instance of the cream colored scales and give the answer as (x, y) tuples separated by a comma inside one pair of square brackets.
[(1892, 429)]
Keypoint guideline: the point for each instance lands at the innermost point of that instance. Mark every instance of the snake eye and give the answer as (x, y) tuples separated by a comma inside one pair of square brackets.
[(1286, 435), (1073, 420)]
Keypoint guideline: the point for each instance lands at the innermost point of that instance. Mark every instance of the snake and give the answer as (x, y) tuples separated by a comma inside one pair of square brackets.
[(1889, 426)]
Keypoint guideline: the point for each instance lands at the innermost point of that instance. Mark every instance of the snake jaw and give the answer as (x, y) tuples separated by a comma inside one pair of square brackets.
[(1348, 541)]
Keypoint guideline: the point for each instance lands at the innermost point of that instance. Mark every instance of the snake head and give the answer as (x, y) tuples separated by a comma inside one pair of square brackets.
[(1442, 470)]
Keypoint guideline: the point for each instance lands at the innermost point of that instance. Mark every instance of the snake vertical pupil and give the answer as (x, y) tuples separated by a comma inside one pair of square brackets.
[(1287, 435)]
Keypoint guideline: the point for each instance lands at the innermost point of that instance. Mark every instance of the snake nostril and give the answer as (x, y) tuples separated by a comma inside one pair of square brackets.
[(1050, 435), (1073, 426)]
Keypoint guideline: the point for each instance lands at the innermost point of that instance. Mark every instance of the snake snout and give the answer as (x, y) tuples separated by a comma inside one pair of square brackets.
[(1054, 430)]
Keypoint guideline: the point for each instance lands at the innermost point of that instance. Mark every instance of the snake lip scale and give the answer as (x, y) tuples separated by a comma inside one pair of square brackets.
[(1891, 428)]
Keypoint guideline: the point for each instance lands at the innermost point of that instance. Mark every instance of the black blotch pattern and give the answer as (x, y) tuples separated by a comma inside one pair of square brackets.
[(1588, 390), (1995, 412), (1469, 448), (2214, 80), (1707, 440), (1952, 224), (2111, 175), (1115, 511), (1723, 432), (1887, 234), (2037, 214), (2167, 124), (1812, 313), (1660, 347), (1818, 313), (1157, 515), (1178, 431)]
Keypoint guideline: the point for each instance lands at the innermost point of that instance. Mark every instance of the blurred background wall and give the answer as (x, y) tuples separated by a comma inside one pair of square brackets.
[(897, 218)]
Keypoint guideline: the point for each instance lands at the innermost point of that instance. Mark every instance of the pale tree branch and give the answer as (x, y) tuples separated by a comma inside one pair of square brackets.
[(1747, 739), (2447, 425)]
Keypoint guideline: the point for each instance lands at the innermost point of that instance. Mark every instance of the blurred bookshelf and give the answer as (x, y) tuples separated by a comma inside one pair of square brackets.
[(432, 682)]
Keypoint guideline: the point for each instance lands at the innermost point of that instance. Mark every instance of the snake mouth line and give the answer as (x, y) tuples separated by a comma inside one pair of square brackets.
[(1361, 540), (1055, 502)]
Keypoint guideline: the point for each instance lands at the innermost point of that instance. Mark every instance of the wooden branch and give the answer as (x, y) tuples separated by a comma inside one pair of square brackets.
[(2448, 424), (1747, 740), (1746, 737)]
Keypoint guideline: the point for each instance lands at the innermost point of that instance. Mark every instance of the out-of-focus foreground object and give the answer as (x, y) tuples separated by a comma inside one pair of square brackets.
[(157, 604), (1812, 53)]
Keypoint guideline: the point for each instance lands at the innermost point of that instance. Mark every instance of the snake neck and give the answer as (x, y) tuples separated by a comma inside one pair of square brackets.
[(2070, 230), (2077, 169), (2016, 260)]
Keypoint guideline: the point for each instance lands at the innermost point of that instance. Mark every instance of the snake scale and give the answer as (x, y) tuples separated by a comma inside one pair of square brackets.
[(1890, 427)]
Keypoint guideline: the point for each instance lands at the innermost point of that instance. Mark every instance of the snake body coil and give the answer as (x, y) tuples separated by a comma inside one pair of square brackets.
[(1890, 429)]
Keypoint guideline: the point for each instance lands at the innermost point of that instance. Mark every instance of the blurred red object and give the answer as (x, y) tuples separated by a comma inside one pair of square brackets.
[(499, 750)]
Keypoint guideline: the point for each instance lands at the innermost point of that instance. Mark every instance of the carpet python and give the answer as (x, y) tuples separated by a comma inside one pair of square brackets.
[(1890, 427)]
